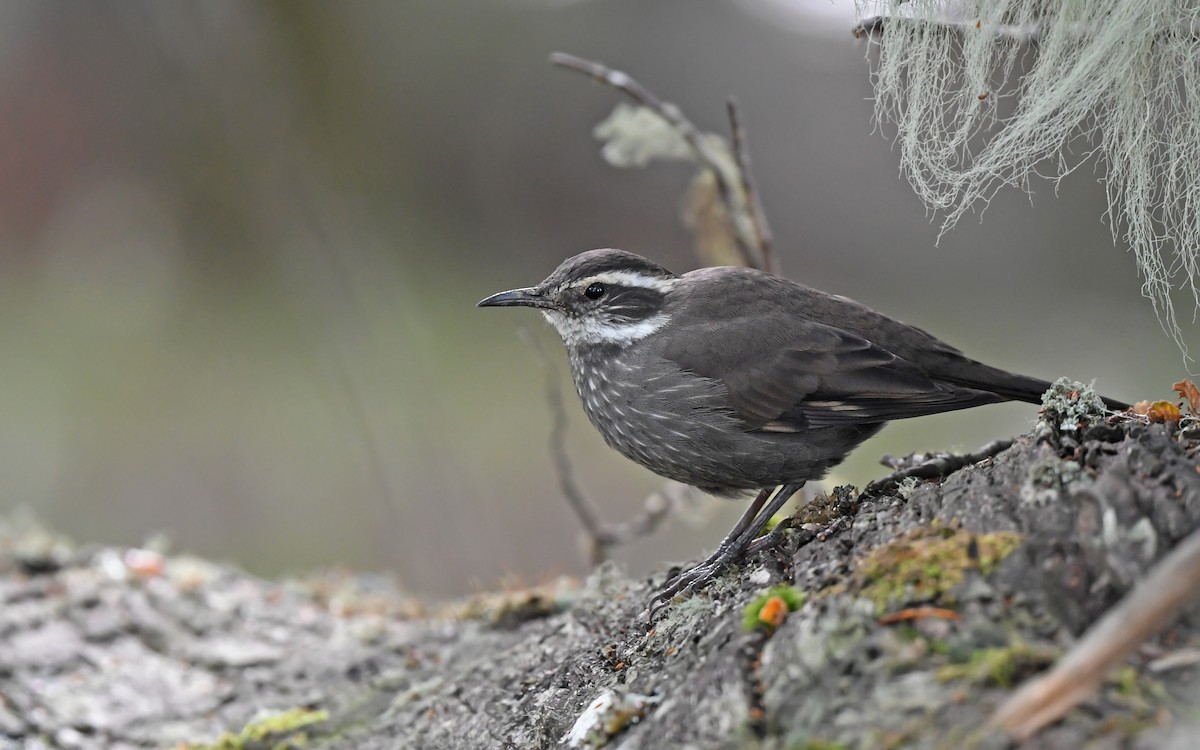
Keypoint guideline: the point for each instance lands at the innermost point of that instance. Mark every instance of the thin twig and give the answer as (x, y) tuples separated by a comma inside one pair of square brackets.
[(1155, 600), (939, 465), (655, 509), (600, 535), (676, 119), (1026, 34), (758, 217), (1022, 34)]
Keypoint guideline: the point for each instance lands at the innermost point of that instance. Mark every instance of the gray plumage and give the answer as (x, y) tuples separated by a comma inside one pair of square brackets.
[(731, 379)]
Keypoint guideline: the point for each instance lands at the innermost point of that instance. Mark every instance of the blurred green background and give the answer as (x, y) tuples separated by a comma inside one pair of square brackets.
[(241, 243)]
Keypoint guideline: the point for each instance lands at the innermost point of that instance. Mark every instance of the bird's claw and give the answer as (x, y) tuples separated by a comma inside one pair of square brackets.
[(688, 582)]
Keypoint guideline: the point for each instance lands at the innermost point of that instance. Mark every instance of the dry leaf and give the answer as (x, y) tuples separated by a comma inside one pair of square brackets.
[(1158, 411), (704, 213), (1188, 390)]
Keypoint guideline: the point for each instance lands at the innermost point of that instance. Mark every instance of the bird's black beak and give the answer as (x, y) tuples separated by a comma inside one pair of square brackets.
[(528, 297)]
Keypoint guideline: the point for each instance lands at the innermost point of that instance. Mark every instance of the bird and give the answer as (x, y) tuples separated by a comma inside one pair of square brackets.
[(734, 380)]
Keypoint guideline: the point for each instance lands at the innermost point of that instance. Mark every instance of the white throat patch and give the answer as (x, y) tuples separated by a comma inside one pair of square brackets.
[(590, 331)]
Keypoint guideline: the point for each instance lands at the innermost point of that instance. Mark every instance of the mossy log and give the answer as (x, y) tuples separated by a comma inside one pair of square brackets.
[(910, 617)]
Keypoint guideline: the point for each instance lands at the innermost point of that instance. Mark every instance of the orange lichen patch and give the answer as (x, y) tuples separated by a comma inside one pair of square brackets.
[(770, 609), (774, 612)]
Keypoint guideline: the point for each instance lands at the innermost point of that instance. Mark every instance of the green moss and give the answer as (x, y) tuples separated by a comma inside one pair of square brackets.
[(1140, 703), (999, 666), (772, 522), (284, 731), (924, 565), (1126, 680), (1136, 690), (1124, 725), (792, 597)]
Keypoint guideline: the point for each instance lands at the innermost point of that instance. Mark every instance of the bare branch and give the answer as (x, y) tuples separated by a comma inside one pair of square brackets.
[(625, 83), (687, 130), (758, 217), (1023, 34), (1153, 603), (655, 509)]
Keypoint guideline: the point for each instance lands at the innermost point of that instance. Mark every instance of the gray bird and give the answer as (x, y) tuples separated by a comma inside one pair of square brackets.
[(733, 379)]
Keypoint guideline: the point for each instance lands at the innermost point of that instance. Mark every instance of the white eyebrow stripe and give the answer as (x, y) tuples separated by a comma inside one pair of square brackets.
[(628, 333), (631, 278)]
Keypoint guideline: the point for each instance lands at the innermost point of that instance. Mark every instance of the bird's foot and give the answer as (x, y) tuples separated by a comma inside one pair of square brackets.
[(691, 580), (772, 538), (694, 579), (741, 539)]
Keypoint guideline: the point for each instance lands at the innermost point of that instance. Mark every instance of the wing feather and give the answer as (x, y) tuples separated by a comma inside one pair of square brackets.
[(814, 376)]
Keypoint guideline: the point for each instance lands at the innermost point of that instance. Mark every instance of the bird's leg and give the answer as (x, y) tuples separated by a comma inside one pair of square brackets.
[(730, 549), (744, 522), (782, 496)]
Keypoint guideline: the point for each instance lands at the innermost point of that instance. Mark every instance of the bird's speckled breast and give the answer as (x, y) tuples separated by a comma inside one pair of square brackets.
[(672, 423), (679, 425)]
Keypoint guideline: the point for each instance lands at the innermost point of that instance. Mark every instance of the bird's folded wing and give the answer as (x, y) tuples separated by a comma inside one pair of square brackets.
[(788, 375)]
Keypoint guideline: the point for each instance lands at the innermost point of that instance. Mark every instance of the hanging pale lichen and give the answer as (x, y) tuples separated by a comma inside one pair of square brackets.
[(991, 93)]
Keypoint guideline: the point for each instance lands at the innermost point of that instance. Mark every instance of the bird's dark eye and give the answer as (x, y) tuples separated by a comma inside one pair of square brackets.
[(594, 291)]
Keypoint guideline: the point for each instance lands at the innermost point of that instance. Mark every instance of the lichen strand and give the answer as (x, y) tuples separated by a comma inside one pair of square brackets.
[(926, 564), (1068, 405), (977, 111)]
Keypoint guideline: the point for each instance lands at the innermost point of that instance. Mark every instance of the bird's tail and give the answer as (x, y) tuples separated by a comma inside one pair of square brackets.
[(1012, 386)]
